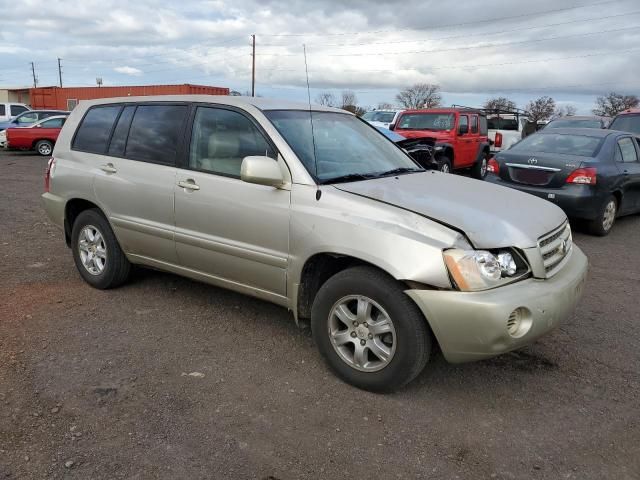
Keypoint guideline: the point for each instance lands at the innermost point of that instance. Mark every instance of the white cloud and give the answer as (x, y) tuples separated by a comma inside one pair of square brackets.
[(136, 72), (358, 44)]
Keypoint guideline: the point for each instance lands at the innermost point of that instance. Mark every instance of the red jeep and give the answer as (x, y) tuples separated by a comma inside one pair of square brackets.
[(459, 136)]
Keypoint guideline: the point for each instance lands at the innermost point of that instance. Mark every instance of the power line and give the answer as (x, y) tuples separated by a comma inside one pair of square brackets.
[(464, 35), (442, 26), (438, 50)]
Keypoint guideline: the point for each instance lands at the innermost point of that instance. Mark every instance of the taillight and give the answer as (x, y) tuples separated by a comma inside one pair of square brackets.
[(586, 176), (498, 140), (493, 166), (47, 175)]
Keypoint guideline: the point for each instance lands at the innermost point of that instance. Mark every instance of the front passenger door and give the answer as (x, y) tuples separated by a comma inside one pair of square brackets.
[(627, 159), (234, 232)]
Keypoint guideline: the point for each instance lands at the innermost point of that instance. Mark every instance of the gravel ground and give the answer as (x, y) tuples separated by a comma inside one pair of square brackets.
[(97, 385)]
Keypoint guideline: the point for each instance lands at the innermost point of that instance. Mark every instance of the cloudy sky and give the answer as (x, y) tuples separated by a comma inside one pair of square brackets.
[(572, 50)]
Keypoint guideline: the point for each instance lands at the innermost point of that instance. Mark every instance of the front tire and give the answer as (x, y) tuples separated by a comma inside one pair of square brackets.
[(444, 165), (603, 223), (369, 331), (44, 148), (96, 252)]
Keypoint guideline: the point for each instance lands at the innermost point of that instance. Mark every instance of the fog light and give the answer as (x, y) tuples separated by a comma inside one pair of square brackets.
[(508, 265), (519, 322)]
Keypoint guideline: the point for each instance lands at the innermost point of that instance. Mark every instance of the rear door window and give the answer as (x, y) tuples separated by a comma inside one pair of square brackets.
[(155, 132), (628, 150), (95, 129), (3, 110), (474, 124)]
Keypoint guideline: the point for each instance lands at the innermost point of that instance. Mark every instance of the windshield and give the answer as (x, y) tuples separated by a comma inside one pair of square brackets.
[(575, 123), (559, 143), (382, 117), (345, 147), (426, 121), (626, 123)]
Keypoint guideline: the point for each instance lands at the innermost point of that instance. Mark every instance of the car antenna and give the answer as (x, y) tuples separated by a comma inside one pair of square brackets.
[(313, 137)]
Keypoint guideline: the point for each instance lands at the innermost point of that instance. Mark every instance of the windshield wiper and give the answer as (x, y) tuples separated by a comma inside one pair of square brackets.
[(351, 177), (398, 171)]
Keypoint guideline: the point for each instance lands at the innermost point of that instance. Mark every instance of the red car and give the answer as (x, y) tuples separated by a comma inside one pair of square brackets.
[(459, 136), (41, 136)]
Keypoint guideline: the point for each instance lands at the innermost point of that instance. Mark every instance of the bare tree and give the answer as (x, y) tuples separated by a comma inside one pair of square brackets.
[(613, 103), (565, 111), (499, 103), (541, 109), (327, 99), (420, 95), (385, 106), (349, 101)]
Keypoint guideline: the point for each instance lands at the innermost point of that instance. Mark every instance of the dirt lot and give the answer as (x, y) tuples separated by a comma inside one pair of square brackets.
[(95, 384)]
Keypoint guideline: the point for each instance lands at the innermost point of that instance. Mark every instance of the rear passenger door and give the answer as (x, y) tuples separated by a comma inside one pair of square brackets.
[(232, 231), (133, 149)]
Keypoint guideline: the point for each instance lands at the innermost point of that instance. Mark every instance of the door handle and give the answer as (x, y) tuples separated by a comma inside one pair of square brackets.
[(108, 168), (189, 184)]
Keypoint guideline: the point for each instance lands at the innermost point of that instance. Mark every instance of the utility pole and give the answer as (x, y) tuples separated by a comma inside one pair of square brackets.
[(253, 66), (60, 72), (33, 71)]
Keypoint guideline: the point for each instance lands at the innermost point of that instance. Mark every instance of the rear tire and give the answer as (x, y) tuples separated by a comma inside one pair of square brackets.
[(479, 170), (96, 252), (603, 223), (44, 148), (378, 348)]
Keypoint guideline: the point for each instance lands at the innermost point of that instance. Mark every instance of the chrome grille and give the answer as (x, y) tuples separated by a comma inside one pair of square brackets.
[(555, 248)]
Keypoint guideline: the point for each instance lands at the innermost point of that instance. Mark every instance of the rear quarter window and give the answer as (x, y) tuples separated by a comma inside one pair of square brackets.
[(95, 129)]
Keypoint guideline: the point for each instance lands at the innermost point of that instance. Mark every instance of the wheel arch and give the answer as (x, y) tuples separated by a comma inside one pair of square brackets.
[(72, 209), (319, 268)]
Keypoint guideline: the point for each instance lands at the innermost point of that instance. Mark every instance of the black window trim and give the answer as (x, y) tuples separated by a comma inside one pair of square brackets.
[(184, 163), (123, 105)]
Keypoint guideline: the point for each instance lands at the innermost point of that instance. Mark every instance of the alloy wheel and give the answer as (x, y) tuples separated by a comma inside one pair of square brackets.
[(362, 333), (44, 149), (609, 215), (92, 250)]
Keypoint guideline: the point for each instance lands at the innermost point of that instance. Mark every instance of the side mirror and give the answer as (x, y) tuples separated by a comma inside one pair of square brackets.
[(392, 126), (262, 171), (463, 129)]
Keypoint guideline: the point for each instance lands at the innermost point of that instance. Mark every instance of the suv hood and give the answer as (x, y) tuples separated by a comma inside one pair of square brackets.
[(489, 215)]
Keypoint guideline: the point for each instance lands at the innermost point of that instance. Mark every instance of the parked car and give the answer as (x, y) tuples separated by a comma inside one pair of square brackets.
[(592, 174), (381, 118), (460, 135), (627, 121), (334, 222), (9, 110), (422, 150), (29, 117), (40, 136), (575, 121)]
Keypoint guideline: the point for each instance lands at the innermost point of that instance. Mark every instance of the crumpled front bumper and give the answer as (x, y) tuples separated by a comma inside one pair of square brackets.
[(473, 325)]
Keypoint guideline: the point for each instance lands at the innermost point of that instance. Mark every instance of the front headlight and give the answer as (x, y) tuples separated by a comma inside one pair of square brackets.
[(474, 270)]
